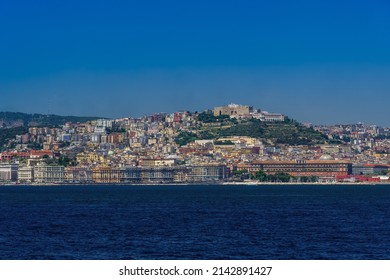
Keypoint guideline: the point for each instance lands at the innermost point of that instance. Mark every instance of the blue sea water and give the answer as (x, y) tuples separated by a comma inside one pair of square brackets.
[(195, 222)]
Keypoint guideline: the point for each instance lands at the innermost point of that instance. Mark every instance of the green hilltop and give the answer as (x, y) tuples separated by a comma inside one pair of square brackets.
[(288, 132)]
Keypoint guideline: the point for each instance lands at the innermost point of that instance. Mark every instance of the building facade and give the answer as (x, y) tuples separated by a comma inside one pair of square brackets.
[(26, 174), (49, 174), (80, 175), (106, 175), (158, 174), (298, 168), (9, 172), (208, 173), (233, 110), (369, 169), (131, 175)]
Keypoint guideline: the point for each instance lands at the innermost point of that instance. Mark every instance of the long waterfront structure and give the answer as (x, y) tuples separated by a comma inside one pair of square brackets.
[(45, 174), (298, 168), (201, 173)]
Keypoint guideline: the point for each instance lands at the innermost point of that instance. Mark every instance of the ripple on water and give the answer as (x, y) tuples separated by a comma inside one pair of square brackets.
[(195, 222)]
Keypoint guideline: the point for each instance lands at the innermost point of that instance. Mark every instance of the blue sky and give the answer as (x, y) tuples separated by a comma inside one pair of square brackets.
[(316, 61)]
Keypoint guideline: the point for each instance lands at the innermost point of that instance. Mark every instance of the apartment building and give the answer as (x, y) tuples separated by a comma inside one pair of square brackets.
[(49, 174), (9, 172), (204, 173), (26, 174)]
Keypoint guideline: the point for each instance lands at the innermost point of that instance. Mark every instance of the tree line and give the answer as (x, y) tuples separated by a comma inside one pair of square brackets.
[(279, 177)]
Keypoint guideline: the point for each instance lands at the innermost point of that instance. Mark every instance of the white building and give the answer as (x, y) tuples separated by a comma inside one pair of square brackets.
[(102, 125), (264, 116), (26, 174), (96, 138), (49, 174), (9, 172)]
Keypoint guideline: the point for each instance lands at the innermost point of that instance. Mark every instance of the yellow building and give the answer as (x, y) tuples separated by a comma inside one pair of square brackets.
[(86, 158), (106, 175)]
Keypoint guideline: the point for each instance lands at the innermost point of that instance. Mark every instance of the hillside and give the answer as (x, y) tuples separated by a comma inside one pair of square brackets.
[(288, 132), (12, 124), (10, 133), (9, 120)]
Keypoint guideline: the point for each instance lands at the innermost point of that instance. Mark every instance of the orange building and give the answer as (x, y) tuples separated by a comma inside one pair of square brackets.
[(8, 156), (40, 153), (115, 138)]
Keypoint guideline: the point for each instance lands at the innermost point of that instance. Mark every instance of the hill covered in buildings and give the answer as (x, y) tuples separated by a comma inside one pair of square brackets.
[(12, 124), (229, 143), (218, 124)]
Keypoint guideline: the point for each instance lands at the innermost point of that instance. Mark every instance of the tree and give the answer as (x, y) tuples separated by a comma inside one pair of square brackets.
[(279, 177), (208, 117), (185, 137), (384, 172), (242, 174), (260, 176), (283, 177)]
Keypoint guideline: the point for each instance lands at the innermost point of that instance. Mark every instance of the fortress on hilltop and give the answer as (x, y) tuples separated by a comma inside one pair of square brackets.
[(233, 110), (243, 111)]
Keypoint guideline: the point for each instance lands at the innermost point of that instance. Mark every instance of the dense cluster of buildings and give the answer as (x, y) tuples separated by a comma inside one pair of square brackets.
[(144, 151)]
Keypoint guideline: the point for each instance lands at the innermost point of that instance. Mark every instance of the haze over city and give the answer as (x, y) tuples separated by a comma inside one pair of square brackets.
[(316, 62)]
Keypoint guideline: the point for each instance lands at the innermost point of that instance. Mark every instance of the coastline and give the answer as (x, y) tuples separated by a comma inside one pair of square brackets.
[(250, 183)]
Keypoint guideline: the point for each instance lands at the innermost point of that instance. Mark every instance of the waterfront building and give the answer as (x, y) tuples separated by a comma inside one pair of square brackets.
[(158, 174), (131, 174), (204, 173), (181, 174), (369, 169), (26, 174), (319, 168), (9, 172), (106, 175), (49, 174), (81, 175)]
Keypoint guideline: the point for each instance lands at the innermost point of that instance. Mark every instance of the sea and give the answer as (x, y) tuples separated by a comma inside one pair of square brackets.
[(205, 222)]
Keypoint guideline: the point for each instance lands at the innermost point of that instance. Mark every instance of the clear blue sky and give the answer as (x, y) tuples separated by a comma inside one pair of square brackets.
[(316, 61)]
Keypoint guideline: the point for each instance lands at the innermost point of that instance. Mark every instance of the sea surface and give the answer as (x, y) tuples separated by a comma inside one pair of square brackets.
[(195, 222)]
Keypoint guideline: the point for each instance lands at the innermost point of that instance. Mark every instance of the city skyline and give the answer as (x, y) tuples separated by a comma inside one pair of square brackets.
[(323, 63)]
